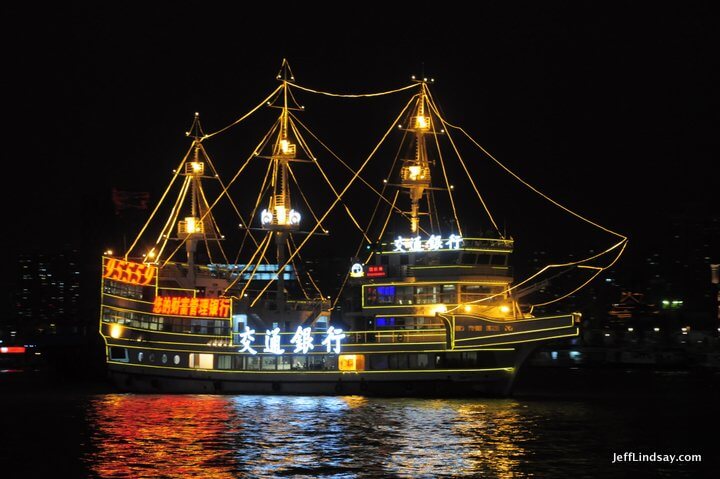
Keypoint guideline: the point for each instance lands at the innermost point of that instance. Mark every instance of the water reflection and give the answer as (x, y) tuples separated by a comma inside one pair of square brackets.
[(160, 436), (313, 437)]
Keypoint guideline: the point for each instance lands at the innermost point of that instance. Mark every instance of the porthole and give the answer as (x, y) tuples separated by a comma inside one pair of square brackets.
[(141, 356), (176, 359), (164, 358)]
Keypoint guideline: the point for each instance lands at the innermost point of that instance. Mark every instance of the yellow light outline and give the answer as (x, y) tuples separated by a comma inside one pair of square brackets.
[(576, 333), (511, 334), (323, 353), (509, 321), (166, 332), (297, 372), (217, 318)]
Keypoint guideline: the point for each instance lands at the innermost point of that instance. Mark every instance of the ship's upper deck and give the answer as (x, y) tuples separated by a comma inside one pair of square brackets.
[(438, 258)]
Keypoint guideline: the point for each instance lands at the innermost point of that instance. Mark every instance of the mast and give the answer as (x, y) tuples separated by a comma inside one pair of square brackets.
[(280, 218), (415, 173), (192, 228)]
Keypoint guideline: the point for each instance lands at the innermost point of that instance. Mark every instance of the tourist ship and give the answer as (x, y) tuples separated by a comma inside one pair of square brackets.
[(424, 309)]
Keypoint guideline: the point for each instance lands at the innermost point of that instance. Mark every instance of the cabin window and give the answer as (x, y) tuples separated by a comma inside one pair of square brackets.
[(252, 363), (224, 361), (315, 362), (331, 362), (268, 363), (299, 362), (119, 354), (483, 259), (402, 361), (238, 362), (468, 258), (285, 362), (423, 361), (378, 361), (384, 259), (469, 360), (125, 290), (201, 361), (499, 259)]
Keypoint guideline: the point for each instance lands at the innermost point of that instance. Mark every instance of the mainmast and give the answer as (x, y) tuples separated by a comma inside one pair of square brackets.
[(280, 218), (415, 173)]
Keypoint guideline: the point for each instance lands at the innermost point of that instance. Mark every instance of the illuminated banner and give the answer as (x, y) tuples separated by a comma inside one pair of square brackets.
[(376, 271), (184, 306), (302, 340), (433, 243), (129, 272)]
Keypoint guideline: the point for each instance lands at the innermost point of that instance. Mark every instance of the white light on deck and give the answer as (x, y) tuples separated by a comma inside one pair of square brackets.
[(440, 308)]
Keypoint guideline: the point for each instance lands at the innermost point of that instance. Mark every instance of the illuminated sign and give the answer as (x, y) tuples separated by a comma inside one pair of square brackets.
[(433, 243), (129, 272), (333, 336), (376, 272), (356, 271), (302, 339), (351, 362), (184, 306), (246, 339), (272, 341)]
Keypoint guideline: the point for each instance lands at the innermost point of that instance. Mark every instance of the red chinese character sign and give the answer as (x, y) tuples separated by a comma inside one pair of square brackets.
[(129, 272), (185, 306)]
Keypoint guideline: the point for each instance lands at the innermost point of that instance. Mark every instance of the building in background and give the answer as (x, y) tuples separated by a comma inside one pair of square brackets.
[(46, 298)]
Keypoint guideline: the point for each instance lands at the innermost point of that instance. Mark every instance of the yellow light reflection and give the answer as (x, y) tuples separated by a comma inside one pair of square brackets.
[(168, 433)]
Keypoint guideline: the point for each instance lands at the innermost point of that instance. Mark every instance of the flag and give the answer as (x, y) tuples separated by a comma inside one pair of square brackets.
[(124, 200)]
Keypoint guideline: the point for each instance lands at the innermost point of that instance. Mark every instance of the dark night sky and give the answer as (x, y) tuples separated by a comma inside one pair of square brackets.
[(609, 108)]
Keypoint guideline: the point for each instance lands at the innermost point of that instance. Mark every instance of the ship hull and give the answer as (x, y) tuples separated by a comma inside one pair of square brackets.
[(486, 382)]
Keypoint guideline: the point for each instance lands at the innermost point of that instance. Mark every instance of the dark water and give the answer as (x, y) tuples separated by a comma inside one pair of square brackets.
[(79, 434)]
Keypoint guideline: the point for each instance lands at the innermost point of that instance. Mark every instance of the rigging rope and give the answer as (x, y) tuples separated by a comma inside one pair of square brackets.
[(381, 196), (467, 172), (246, 115), (162, 198), (335, 202), (360, 95)]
